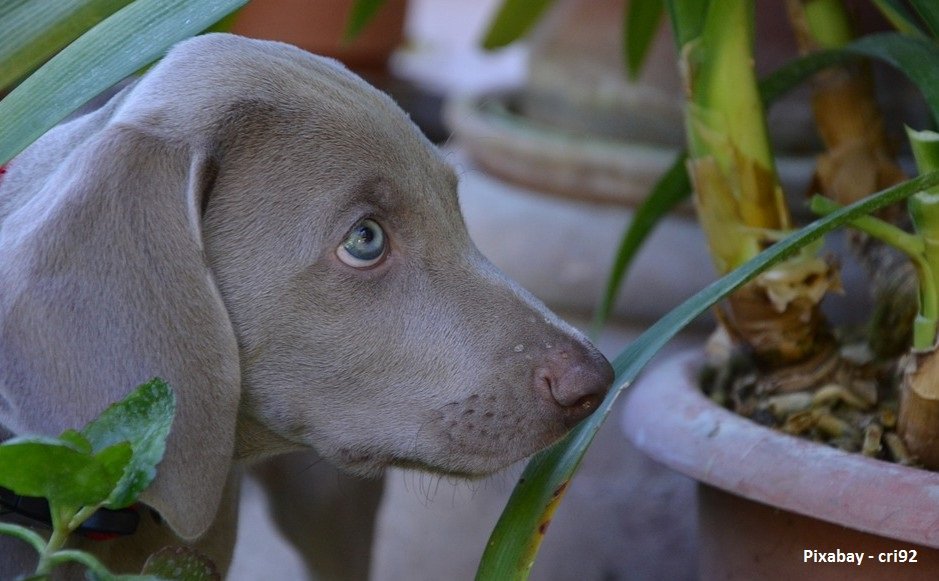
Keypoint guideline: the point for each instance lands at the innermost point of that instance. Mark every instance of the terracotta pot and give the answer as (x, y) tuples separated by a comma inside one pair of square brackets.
[(319, 27), (766, 497)]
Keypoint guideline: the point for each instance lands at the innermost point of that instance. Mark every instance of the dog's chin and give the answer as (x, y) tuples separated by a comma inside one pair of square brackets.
[(373, 467)]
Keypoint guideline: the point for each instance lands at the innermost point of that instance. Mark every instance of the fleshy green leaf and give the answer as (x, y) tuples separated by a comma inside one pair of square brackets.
[(643, 18), (133, 37), (671, 189), (143, 419), (514, 543), (77, 440), (31, 31), (50, 468), (181, 563), (514, 20)]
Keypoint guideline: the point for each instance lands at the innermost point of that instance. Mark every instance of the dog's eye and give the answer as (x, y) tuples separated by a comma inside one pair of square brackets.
[(364, 245)]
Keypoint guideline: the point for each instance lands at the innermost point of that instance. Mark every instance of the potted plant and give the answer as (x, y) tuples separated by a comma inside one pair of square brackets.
[(773, 320)]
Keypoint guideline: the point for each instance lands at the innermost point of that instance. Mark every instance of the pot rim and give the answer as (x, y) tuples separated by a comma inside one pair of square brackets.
[(668, 417)]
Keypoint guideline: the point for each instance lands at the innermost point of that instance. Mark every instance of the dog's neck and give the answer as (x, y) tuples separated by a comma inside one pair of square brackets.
[(254, 441)]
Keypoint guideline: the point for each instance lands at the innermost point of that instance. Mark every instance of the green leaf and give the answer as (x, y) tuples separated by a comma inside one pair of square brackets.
[(31, 31), (181, 563), (671, 189), (687, 18), (790, 75), (50, 468), (642, 24), (361, 14), (896, 12), (514, 542), (117, 47), (77, 440), (514, 20), (928, 10), (143, 419), (914, 57)]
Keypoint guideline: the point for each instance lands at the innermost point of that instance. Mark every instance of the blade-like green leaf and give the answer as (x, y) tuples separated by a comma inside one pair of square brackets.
[(898, 15), (31, 31), (143, 418), (361, 14), (914, 57), (50, 468), (117, 47), (928, 10), (642, 24), (514, 20), (790, 75), (687, 18), (671, 189), (517, 536)]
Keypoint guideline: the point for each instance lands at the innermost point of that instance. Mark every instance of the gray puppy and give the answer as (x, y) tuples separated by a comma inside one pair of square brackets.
[(274, 238)]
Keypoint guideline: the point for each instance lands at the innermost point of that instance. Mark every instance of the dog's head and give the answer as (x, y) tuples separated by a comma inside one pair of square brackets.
[(272, 236)]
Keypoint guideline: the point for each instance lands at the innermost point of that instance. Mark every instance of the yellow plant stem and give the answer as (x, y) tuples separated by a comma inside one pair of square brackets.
[(739, 199)]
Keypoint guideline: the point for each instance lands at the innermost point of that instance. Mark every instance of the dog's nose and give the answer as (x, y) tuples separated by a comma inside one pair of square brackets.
[(575, 378)]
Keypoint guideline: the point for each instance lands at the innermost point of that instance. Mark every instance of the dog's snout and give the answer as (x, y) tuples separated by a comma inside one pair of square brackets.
[(575, 379)]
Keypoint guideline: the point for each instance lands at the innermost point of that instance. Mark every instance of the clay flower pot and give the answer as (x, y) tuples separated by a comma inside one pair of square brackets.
[(767, 500), (319, 27)]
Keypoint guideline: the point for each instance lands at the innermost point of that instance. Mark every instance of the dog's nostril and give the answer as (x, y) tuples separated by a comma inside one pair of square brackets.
[(580, 410), (575, 380)]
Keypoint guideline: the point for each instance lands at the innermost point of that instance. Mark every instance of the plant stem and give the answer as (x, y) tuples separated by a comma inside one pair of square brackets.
[(738, 196), (858, 160), (924, 209), (828, 23), (61, 516), (924, 326), (23, 534)]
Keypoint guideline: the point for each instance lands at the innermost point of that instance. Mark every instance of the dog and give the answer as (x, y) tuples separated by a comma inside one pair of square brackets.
[(273, 237)]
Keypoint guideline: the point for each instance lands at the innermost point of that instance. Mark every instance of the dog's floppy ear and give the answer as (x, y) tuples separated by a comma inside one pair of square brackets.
[(103, 285)]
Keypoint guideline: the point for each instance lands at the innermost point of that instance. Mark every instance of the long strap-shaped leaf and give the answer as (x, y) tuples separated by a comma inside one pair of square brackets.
[(117, 47), (514, 543), (928, 10), (671, 189), (916, 58), (31, 31)]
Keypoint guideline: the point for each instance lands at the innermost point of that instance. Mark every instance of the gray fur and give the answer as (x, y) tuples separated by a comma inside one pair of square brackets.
[(188, 230)]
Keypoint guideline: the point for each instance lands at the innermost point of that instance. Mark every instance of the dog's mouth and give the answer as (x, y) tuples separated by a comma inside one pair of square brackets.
[(410, 464), (370, 465)]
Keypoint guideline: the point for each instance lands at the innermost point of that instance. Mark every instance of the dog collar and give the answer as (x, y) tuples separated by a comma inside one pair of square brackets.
[(103, 525)]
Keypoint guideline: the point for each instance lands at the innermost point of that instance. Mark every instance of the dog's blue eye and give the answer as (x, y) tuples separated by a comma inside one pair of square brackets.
[(364, 245)]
